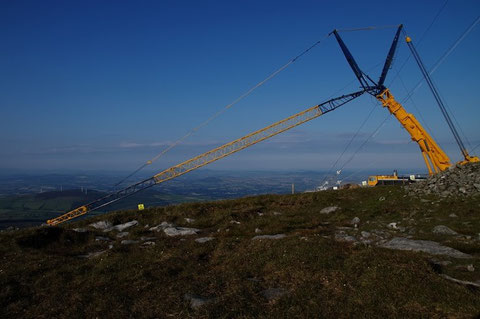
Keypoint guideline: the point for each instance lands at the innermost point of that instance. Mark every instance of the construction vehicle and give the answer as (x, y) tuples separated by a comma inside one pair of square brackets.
[(395, 179), (434, 156)]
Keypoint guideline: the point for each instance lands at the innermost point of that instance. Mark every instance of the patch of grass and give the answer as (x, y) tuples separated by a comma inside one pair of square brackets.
[(41, 274)]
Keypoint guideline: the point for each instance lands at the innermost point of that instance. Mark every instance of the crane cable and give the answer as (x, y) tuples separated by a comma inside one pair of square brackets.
[(438, 63), (421, 39), (348, 145), (445, 55), (372, 135), (221, 111), (380, 27)]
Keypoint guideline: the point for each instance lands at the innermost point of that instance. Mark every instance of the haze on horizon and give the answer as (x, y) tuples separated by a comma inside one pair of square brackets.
[(99, 86)]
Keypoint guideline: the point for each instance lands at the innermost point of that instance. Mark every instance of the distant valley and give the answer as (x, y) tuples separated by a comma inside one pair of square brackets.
[(27, 200)]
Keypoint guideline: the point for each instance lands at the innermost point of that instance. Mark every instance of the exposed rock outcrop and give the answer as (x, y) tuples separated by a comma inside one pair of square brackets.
[(426, 246), (458, 180)]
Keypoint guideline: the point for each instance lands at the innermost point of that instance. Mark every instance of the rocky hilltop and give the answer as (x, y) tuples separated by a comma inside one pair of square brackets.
[(367, 252), (458, 180)]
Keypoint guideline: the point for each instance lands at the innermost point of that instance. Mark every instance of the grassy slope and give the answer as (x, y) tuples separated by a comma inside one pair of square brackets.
[(40, 275)]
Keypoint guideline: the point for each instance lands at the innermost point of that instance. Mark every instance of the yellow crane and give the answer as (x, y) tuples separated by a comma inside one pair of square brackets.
[(435, 158)]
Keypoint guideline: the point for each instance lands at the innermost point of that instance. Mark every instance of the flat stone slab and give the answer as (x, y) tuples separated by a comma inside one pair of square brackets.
[(122, 234), (93, 254), (161, 227), (343, 236), (202, 240), (426, 246), (461, 282), (144, 238), (180, 231), (328, 210), (277, 236), (444, 230), (101, 225), (129, 242), (148, 243), (122, 227)]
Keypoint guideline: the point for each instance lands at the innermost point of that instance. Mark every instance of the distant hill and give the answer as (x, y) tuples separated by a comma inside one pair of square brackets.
[(34, 209)]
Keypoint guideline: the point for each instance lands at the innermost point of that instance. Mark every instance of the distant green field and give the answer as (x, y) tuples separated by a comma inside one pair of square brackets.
[(35, 209)]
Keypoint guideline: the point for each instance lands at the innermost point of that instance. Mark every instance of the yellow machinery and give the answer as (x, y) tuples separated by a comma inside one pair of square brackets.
[(394, 179), (435, 158), (433, 155)]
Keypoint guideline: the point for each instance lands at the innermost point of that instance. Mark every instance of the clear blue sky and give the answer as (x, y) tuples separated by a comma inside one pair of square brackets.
[(107, 84)]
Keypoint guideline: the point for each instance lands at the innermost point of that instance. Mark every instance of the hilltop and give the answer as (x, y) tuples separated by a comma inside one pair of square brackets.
[(330, 253)]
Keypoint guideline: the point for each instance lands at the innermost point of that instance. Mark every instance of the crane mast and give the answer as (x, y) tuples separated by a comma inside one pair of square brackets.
[(435, 158)]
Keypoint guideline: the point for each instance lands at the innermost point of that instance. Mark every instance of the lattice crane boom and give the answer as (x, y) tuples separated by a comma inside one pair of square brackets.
[(211, 156)]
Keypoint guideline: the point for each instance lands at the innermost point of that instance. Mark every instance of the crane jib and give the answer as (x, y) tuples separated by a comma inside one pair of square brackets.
[(212, 156)]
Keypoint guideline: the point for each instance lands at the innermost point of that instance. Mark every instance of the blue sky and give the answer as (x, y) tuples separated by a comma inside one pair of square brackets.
[(106, 85)]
